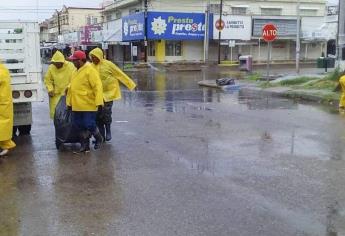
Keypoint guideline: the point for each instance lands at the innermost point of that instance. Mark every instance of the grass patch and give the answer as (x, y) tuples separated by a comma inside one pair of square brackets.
[(254, 77), (297, 81), (321, 84), (335, 75), (128, 66)]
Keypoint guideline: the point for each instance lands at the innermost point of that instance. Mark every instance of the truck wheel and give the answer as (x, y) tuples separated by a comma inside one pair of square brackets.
[(24, 129)]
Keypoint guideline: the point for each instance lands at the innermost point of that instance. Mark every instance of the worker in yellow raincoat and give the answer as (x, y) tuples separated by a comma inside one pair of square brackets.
[(110, 75), (342, 97), (6, 112), (84, 98), (57, 79)]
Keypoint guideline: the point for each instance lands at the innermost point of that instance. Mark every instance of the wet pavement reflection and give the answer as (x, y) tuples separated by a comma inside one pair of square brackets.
[(185, 160)]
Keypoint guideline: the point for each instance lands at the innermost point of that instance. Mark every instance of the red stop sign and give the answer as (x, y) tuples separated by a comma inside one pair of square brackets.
[(269, 32)]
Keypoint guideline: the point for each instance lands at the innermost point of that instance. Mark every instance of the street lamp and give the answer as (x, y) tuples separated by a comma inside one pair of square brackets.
[(298, 38)]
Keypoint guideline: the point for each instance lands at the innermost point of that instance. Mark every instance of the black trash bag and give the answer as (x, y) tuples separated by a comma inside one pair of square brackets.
[(65, 131), (225, 81)]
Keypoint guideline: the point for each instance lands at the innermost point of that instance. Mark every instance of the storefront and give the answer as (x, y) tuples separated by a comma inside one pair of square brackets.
[(171, 36), (133, 32), (235, 35)]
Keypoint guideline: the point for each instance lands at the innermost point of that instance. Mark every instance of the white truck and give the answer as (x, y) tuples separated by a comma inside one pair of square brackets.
[(20, 52)]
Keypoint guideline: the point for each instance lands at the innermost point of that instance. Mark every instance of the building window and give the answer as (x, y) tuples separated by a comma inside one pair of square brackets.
[(215, 8), (271, 11), (88, 20), (118, 15), (133, 11), (173, 48), (108, 17), (308, 12), (152, 49), (239, 10), (95, 20)]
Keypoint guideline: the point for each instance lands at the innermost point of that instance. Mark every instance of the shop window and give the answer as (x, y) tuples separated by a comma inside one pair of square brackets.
[(271, 11), (308, 12), (152, 50), (239, 10), (88, 20), (173, 48)]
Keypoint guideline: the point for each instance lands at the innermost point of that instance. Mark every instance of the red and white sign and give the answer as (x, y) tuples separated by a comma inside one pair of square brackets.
[(269, 32), (220, 24)]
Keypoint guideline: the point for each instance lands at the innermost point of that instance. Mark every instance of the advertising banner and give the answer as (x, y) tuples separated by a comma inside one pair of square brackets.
[(235, 27), (133, 27), (86, 33), (176, 26)]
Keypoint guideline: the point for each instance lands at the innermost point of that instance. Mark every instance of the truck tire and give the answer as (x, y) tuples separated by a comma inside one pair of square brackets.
[(24, 129)]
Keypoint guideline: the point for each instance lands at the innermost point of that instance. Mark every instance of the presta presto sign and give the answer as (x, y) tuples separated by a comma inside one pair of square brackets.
[(176, 26)]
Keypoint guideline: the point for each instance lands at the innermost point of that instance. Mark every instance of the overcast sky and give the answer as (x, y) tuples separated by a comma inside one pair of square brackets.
[(27, 9)]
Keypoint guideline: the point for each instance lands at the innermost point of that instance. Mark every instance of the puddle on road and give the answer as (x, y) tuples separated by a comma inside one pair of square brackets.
[(167, 91)]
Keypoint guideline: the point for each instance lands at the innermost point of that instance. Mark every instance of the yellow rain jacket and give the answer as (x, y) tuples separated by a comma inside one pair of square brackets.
[(111, 75), (85, 92), (6, 105), (57, 80), (342, 98)]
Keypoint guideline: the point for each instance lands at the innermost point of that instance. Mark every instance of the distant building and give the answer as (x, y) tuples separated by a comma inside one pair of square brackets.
[(44, 35), (71, 19)]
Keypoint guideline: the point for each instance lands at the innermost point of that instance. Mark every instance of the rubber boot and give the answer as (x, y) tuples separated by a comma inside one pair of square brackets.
[(108, 131), (101, 130), (99, 139), (84, 142)]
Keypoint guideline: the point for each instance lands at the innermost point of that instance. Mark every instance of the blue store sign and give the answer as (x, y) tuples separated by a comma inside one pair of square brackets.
[(133, 27), (176, 26)]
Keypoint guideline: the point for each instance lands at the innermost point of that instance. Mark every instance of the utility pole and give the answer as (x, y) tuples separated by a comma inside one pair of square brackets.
[(145, 28), (220, 28), (341, 31), (207, 31), (298, 38)]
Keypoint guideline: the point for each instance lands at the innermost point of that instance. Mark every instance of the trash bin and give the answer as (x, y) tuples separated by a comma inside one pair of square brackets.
[(330, 62), (320, 62), (246, 63), (325, 62)]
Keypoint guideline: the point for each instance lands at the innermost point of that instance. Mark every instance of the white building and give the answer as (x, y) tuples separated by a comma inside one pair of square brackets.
[(243, 18), (71, 19)]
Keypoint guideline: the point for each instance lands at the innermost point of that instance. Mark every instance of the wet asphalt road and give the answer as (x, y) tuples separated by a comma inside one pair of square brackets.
[(183, 161)]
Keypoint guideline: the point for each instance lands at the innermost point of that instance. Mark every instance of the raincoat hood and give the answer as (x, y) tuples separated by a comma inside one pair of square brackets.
[(97, 52), (58, 57)]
